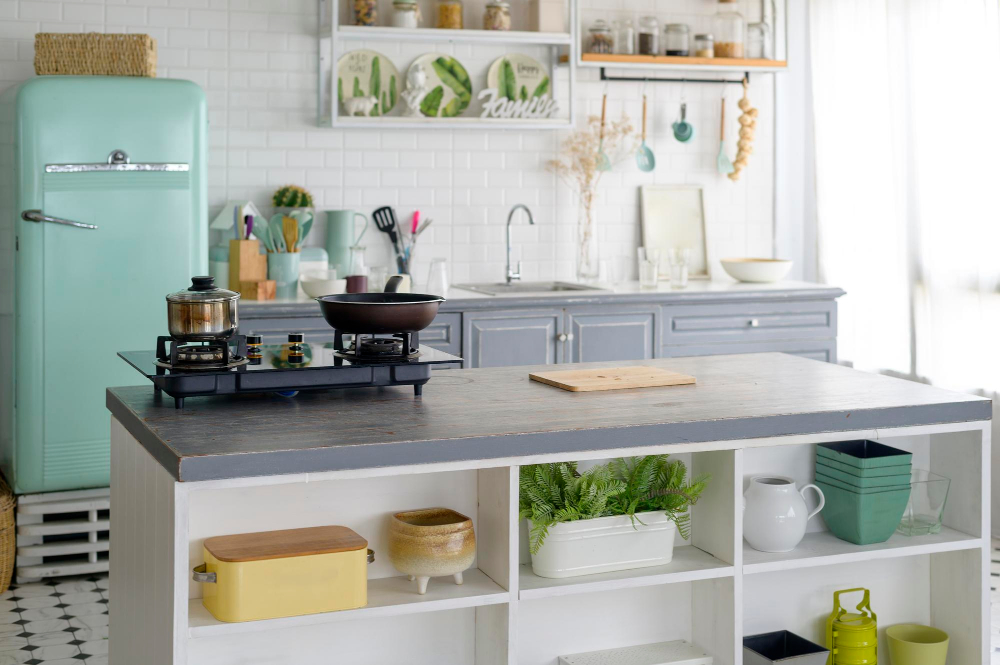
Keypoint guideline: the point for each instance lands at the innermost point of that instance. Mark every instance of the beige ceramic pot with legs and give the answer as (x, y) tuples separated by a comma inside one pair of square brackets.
[(432, 542)]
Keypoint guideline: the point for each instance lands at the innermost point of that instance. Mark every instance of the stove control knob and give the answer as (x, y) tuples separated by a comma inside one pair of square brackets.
[(254, 340), (296, 338)]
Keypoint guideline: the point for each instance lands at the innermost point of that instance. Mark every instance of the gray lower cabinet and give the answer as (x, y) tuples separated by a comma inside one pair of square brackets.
[(444, 334), (519, 337), (611, 333)]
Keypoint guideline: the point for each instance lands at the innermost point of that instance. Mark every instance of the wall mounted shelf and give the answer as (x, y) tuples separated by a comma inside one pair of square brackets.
[(675, 63), (378, 33)]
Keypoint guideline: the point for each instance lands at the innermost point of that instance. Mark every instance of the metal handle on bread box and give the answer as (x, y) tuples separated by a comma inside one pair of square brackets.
[(39, 216), (199, 575), (371, 556)]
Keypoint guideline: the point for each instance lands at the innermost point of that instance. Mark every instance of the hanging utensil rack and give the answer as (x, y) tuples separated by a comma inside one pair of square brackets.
[(652, 79)]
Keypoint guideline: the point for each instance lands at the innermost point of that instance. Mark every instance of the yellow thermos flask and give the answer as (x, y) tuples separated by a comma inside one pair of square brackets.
[(852, 638)]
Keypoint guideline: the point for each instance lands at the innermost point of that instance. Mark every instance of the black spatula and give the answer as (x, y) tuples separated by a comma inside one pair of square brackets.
[(385, 221)]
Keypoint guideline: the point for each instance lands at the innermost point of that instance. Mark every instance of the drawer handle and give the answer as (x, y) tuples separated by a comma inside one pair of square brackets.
[(199, 575), (754, 323)]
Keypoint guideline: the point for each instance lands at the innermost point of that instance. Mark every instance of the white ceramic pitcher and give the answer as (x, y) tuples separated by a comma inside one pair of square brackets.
[(775, 513)]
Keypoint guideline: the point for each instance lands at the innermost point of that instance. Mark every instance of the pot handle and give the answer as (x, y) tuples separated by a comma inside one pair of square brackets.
[(199, 574), (393, 283), (822, 499)]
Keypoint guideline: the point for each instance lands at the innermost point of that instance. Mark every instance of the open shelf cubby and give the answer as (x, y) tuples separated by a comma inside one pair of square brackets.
[(716, 590)]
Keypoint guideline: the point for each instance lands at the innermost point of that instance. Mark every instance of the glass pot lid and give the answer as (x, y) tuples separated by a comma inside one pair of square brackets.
[(203, 290)]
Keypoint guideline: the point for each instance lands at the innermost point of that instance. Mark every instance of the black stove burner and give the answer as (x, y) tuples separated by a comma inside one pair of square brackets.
[(200, 357), (378, 348), (247, 365)]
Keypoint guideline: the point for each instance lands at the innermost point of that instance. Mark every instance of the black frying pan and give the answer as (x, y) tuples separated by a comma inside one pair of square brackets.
[(380, 313)]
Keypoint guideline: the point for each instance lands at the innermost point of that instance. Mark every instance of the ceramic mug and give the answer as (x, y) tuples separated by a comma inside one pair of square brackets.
[(775, 513), (341, 237), (283, 268)]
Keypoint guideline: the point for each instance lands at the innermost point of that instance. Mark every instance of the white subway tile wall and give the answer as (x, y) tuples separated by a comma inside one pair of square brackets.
[(257, 61)]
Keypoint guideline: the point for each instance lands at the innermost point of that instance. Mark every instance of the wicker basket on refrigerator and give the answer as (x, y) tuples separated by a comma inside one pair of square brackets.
[(94, 54), (8, 551)]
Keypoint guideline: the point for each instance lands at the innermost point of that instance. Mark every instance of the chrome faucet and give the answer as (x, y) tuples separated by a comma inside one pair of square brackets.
[(511, 275)]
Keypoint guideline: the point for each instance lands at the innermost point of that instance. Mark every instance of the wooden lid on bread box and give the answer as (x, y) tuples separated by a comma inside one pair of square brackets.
[(284, 544)]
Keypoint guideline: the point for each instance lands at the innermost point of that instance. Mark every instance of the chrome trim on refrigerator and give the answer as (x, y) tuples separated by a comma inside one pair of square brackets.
[(39, 216)]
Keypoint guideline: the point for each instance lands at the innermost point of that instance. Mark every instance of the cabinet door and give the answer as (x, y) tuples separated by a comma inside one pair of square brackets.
[(512, 337), (444, 334), (611, 333)]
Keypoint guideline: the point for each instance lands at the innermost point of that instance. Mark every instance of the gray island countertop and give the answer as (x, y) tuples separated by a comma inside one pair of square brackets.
[(481, 414)]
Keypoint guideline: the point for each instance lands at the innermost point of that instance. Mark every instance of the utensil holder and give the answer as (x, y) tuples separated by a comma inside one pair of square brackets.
[(248, 270), (283, 268)]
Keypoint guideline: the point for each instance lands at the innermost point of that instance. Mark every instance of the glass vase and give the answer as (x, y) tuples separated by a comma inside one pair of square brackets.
[(587, 268)]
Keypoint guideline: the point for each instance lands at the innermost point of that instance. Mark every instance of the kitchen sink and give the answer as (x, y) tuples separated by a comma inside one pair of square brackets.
[(503, 288)]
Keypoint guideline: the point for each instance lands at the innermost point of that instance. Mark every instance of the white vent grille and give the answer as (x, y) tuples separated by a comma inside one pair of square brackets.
[(62, 533)]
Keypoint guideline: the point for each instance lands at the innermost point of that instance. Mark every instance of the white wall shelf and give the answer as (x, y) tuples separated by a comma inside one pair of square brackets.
[(336, 39), (387, 597), (825, 549), (689, 564)]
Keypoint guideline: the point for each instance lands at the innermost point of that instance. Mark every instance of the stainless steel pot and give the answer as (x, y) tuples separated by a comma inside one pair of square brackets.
[(202, 313)]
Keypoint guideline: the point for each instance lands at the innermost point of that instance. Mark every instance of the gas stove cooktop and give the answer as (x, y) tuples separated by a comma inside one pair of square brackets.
[(245, 365)]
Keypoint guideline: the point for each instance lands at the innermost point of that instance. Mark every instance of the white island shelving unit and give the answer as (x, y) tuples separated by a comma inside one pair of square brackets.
[(715, 591)]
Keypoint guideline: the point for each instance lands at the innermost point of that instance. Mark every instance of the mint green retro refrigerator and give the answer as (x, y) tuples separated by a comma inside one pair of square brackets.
[(102, 213)]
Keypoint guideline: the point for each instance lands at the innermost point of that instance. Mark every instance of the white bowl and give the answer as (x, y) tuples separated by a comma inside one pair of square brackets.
[(757, 270), (321, 283)]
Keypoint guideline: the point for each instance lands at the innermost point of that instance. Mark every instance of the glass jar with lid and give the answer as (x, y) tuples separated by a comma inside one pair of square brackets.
[(757, 40), (704, 46), (676, 38), (729, 27), (449, 14), (497, 15), (405, 14), (649, 36), (601, 39), (624, 37)]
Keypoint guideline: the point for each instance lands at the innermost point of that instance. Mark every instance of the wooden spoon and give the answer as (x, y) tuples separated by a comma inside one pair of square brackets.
[(290, 229)]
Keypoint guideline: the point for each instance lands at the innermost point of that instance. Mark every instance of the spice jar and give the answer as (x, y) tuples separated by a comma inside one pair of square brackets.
[(624, 37), (730, 29), (365, 12), (601, 40), (649, 36), (449, 14), (405, 14), (704, 46), (497, 16), (676, 39)]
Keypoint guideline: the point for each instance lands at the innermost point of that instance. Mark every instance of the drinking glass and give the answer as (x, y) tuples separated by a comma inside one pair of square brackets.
[(680, 259), (377, 277), (649, 268), (437, 278), (928, 494)]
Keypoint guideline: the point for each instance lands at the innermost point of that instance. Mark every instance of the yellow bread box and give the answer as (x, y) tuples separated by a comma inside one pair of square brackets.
[(251, 576)]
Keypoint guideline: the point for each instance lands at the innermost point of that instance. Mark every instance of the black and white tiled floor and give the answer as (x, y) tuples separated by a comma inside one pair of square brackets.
[(60, 622)]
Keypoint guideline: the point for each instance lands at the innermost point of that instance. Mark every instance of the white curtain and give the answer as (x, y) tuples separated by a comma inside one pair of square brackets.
[(907, 122)]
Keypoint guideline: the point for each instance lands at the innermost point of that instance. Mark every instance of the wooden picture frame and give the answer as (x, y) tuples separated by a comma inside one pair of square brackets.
[(674, 216)]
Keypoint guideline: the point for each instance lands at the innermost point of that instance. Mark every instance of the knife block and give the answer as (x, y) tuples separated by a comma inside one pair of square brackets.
[(248, 270)]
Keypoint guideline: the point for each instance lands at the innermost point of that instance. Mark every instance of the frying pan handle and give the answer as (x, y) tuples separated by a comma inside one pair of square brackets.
[(393, 283)]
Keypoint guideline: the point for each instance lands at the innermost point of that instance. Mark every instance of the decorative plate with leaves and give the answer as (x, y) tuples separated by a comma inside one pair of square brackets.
[(365, 73), (449, 85), (516, 76)]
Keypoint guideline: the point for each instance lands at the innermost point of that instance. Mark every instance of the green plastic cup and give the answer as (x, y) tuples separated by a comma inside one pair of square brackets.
[(913, 644)]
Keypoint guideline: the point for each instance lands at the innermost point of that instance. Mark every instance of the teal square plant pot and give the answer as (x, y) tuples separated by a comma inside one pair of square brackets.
[(872, 472), (864, 454), (863, 519), (863, 482)]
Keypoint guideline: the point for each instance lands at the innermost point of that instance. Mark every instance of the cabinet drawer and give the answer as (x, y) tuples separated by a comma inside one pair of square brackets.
[(748, 322), (825, 350)]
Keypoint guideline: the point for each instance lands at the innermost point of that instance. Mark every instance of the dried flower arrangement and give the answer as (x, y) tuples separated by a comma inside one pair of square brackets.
[(578, 166)]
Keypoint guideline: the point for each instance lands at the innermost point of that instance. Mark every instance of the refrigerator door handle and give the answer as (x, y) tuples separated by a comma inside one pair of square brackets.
[(39, 216)]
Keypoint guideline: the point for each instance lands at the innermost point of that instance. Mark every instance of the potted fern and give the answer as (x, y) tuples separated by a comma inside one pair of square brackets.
[(615, 516)]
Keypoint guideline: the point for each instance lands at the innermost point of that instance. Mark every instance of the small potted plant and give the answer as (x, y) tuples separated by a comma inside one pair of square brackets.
[(615, 516), (290, 198)]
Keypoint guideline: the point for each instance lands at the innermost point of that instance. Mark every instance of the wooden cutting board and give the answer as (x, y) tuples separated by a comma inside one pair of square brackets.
[(612, 378)]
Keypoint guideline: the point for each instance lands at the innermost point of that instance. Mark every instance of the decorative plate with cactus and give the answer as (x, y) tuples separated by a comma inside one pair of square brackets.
[(448, 84), (366, 74), (292, 196), (519, 77)]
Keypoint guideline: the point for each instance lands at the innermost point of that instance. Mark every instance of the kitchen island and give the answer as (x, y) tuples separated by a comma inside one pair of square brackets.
[(257, 463)]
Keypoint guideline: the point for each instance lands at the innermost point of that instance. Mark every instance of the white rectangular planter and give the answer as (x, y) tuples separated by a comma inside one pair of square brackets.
[(605, 544)]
